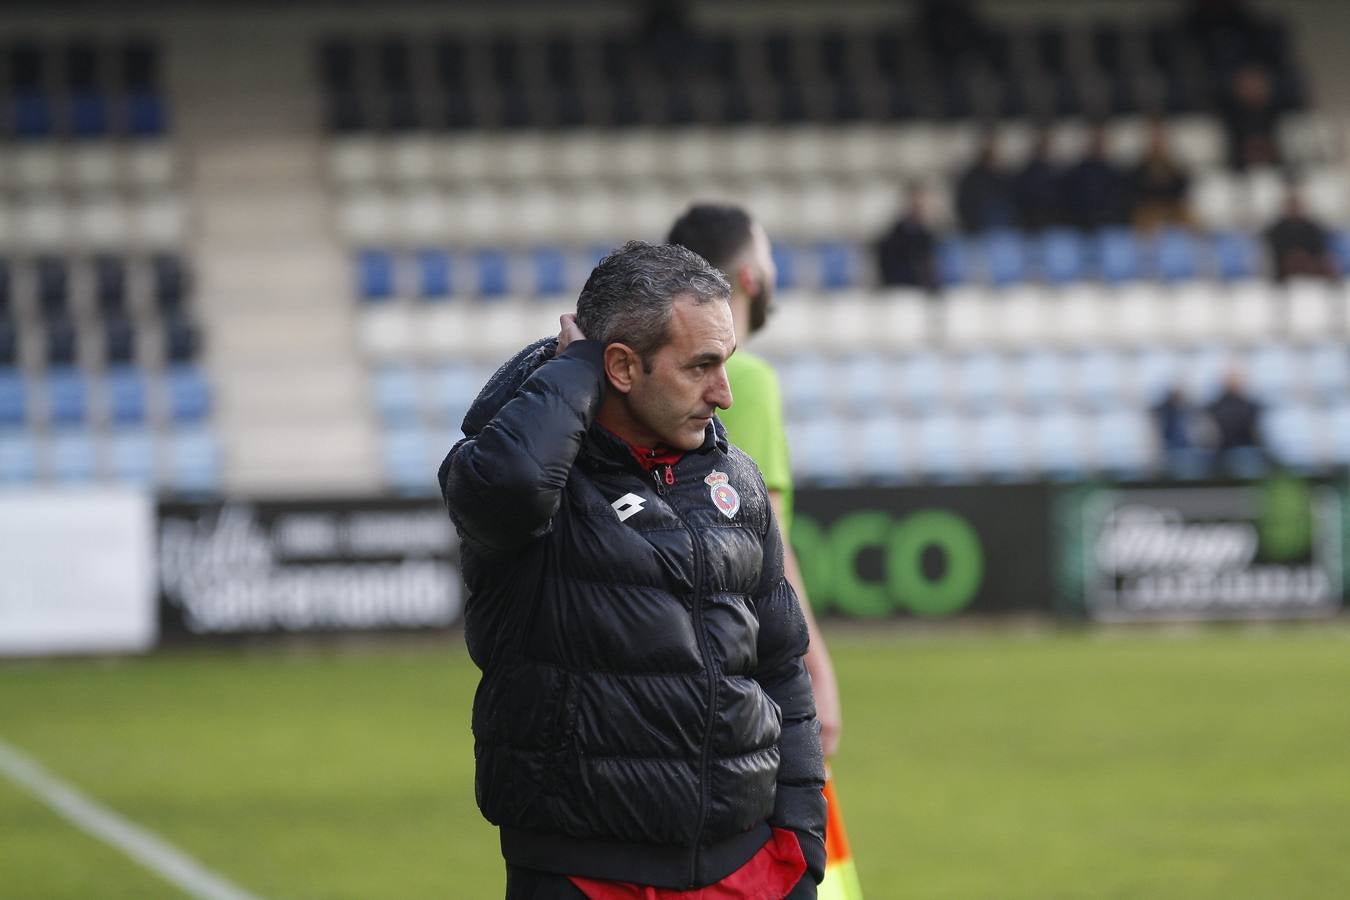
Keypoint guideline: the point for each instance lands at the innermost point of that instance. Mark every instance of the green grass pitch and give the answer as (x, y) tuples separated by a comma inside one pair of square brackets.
[(1211, 763)]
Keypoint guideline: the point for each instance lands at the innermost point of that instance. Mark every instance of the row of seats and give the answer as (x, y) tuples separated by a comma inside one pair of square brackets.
[(1001, 259), (1134, 316), (918, 149), (83, 87), (925, 382), (121, 395), (52, 285), (186, 459), (95, 344), (803, 209), (571, 79), (949, 447), (56, 222), (86, 165), (86, 114)]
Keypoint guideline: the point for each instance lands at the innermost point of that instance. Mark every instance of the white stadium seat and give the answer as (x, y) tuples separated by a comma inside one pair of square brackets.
[(464, 158), (94, 165), (36, 166), (1309, 309), (1197, 142), (1250, 311), (150, 163), (364, 217), (388, 331), (353, 161), (101, 222), (411, 159)]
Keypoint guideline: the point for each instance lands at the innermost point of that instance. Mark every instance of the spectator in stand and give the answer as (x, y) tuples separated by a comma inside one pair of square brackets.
[(1036, 189), (1299, 246), (984, 198), (1251, 120), (1175, 422), (907, 253), (1159, 185), (1225, 31), (1236, 418), (1096, 191)]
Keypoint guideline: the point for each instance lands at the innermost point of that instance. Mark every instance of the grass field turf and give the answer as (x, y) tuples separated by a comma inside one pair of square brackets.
[(994, 764)]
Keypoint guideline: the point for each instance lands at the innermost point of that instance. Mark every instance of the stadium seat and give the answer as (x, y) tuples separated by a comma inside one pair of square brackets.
[(954, 261), (88, 114), (181, 340), (1118, 255), (146, 115), (807, 385), (1140, 316), (187, 394), (67, 396), (549, 267), (71, 455), (18, 457), (1098, 378), (1194, 312), (492, 268), (1202, 372), (967, 317), (1271, 373), (941, 448), (1059, 443), (129, 455), (1000, 446), (398, 393), (1123, 442), (1340, 251), (434, 274), (785, 261), (839, 266), (375, 274), (170, 281), (1294, 433), (1005, 257), (1338, 433), (453, 389), (32, 114), (814, 440), (981, 381), (1309, 310), (408, 464), (192, 460), (1176, 255), (878, 448), (1325, 371), (1062, 255), (1042, 378), (1236, 255), (13, 398), (125, 394), (865, 381)]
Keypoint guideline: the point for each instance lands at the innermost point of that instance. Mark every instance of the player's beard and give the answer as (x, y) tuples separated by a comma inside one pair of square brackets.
[(761, 304)]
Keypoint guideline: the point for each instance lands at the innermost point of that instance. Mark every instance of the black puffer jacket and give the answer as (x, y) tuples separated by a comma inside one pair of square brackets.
[(644, 713)]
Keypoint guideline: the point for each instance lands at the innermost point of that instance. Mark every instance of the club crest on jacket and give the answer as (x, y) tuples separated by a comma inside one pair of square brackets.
[(724, 496)]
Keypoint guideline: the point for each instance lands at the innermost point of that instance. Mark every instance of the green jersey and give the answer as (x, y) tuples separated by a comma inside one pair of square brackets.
[(755, 424)]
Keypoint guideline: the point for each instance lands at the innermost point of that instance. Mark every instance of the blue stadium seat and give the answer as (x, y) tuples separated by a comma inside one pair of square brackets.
[(493, 268), (1272, 373), (923, 380), (549, 265), (188, 392), (1292, 434), (130, 455), (71, 455), (1338, 428), (1340, 250), (1005, 257), (181, 339), (1124, 442), (453, 389), (982, 379), (1176, 254), (1236, 255), (1325, 371), (125, 390), (814, 439), (1099, 379), (67, 396), (1043, 378), (1058, 439), (878, 443), (398, 393), (375, 274), (13, 398), (1202, 372), (146, 114), (785, 260), (940, 445), (864, 381), (88, 114), (32, 114), (192, 460), (954, 261), (408, 464), (839, 266), (1118, 255), (434, 274), (1154, 371), (18, 457), (1063, 256), (806, 381), (1000, 446)]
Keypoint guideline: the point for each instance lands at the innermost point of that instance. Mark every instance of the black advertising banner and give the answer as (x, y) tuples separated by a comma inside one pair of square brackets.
[(238, 568), (1263, 549), (928, 551)]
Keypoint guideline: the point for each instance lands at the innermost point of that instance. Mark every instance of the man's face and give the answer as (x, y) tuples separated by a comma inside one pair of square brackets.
[(762, 259), (673, 403)]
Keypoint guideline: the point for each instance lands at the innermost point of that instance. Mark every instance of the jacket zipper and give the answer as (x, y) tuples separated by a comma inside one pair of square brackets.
[(700, 630), (664, 478)]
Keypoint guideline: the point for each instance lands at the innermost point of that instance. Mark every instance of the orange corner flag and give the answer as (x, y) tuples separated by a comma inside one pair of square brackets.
[(841, 876)]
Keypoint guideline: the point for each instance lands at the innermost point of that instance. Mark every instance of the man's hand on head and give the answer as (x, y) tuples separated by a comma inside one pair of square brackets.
[(570, 332)]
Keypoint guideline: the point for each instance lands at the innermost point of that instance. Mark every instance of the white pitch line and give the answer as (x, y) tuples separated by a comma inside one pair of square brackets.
[(152, 852)]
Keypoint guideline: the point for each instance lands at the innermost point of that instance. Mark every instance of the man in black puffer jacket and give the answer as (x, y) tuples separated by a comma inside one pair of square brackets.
[(644, 716)]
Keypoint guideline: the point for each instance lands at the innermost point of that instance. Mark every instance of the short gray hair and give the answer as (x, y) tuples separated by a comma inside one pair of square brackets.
[(630, 294)]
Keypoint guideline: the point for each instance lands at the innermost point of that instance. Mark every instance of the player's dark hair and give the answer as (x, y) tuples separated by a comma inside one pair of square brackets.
[(715, 231), (629, 295)]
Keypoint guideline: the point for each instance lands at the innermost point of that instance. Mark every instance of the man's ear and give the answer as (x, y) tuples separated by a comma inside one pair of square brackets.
[(621, 365), (747, 279)]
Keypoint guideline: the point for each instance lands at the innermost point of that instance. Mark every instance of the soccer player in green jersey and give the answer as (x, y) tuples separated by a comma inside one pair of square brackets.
[(731, 240)]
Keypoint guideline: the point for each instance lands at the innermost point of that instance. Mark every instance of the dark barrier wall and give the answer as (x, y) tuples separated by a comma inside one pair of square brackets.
[(1267, 549), (928, 551), (252, 568)]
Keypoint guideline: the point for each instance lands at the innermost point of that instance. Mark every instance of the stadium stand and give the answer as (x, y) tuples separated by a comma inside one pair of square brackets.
[(100, 366)]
